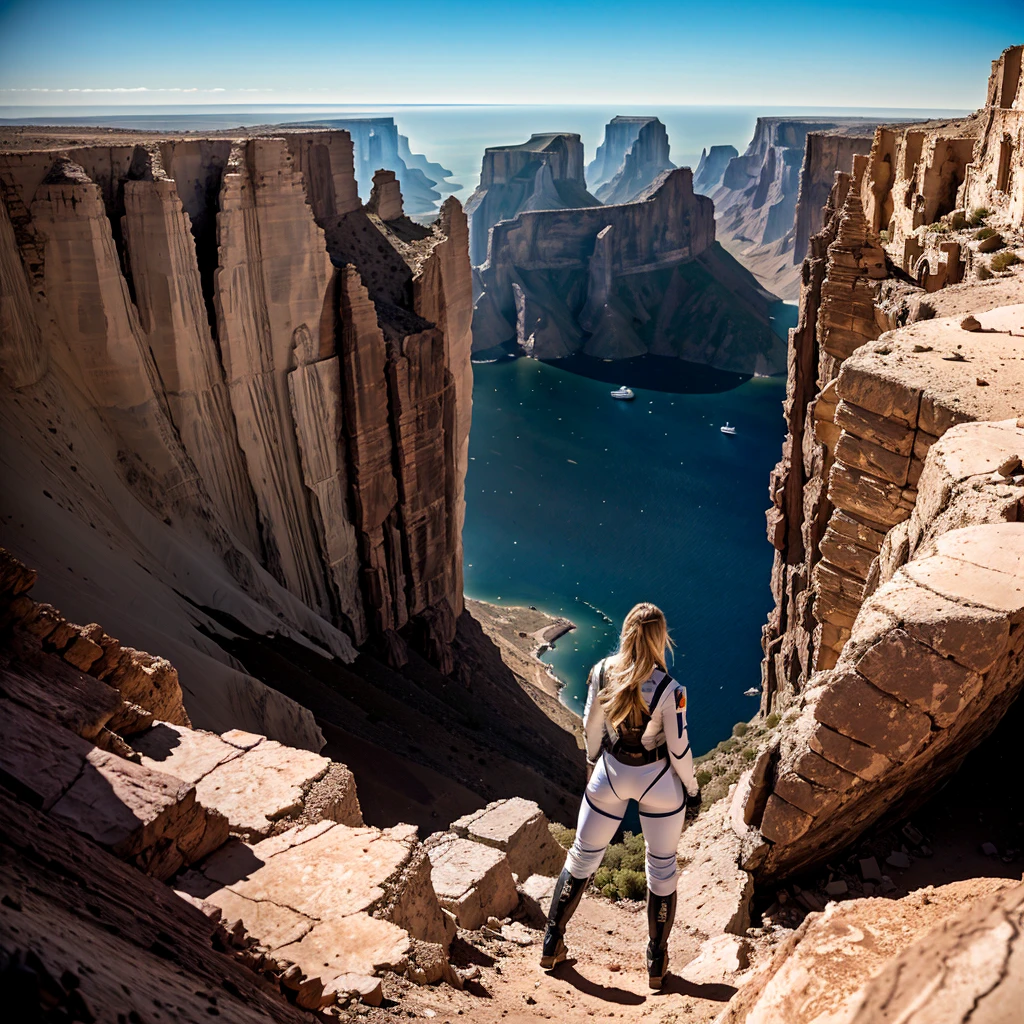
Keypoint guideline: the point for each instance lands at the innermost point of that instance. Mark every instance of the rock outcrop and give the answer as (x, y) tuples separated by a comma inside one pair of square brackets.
[(758, 215), (711, 168), (634, 153), (232, 391), (545, 173), (377, 144), (894, 645), (621, 281)]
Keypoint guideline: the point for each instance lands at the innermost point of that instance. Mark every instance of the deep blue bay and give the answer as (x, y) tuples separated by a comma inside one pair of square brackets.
[(582, 505)]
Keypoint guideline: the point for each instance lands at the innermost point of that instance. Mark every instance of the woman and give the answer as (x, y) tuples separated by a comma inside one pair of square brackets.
[(637, 748)]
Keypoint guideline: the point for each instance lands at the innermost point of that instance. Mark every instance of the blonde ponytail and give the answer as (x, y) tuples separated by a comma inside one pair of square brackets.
[(642, 648)]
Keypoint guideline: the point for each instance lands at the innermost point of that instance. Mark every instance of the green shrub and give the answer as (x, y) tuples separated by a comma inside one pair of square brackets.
[(629, 854), (623, 884), (562, 835), (740, 729), (977, 216), (984, 233), (703, 778), (884, 236), (1004, 260), (749, 754), (772, 720), (938, 228), (958, 220), (983, 273)]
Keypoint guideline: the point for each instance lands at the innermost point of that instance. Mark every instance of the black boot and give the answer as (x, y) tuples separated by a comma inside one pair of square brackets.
[(661, 913), (564, 901)]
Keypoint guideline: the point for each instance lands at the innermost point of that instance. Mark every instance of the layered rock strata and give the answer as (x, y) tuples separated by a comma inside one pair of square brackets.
[(232, 390), (621, 281), (759, 217), (634, 153), (545, 173)]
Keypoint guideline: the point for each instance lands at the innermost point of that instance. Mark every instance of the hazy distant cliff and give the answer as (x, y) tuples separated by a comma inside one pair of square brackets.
[(231, 389), (620, 281), (634, 152), (545, 173)]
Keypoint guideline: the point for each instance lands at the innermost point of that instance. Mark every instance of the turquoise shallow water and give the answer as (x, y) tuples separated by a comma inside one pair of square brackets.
[(582, 506)]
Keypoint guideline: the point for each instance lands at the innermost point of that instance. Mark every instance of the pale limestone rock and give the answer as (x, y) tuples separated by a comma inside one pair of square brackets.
[(519, 829), (718, 961), (471, 880)]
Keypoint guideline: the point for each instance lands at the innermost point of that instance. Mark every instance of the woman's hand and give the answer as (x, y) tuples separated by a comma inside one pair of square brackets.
[(590, 771), (693, 805)]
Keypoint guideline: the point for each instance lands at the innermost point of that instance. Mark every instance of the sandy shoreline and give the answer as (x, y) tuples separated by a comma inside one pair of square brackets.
[(523, 635)]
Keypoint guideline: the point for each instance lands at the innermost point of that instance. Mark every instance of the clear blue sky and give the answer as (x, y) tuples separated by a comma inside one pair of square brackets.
[(872, 53)]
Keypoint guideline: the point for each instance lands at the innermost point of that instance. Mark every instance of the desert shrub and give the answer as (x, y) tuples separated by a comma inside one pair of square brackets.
[(622, 884), (1004, 260), (749, 754), (883, 235), (772, 720), (562, 835), (983, 273), (977, 216), (628, 854), (938, 228), (958, 220), (703, 778), (983, 233), (740, 729)]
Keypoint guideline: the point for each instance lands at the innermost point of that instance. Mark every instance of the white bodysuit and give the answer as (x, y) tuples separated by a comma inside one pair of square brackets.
[(658, 787)]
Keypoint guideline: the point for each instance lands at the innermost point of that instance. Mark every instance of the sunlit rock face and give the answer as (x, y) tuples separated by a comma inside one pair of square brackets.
[(545, 173), (626, 280), (229, 390)]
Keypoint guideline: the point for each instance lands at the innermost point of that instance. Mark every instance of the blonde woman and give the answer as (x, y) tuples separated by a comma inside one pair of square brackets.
[(637, 748)]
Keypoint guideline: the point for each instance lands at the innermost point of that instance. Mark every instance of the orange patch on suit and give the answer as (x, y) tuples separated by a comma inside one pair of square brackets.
[(680, 700)]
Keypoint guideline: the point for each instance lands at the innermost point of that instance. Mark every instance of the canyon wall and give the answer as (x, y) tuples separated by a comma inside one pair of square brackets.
[(545, 173), (895, 643), (634, 153), (232, 391), (759, 213), (619, 281), (377, 144), (711, 168)]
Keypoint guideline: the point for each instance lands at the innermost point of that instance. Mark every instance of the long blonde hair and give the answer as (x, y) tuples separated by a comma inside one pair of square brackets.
[(641, 650)]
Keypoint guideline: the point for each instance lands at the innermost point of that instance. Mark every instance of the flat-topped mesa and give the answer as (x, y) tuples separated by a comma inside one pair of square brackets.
[(545, 173), (756, 202), (234, 389), (711, 169), (634, 152), (594, 280)]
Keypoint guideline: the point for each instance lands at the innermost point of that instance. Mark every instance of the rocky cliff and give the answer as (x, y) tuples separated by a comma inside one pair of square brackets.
[(634, 153), (545, 173), (712, 167), (377, 144), (895, 643), (230, 389), (620, 281), (759, 216)]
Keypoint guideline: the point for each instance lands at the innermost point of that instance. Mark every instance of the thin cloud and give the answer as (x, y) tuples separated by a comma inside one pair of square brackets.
[(123, 89)]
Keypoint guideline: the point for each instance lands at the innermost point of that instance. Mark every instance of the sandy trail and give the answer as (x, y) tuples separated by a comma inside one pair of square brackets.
[(605, 976)]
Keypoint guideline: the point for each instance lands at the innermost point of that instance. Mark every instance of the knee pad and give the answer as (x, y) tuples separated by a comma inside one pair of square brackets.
[(661, 874)]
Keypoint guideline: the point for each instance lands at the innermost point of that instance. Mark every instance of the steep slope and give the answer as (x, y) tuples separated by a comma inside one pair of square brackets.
[(545, 173), (223, 394), (711, 169)]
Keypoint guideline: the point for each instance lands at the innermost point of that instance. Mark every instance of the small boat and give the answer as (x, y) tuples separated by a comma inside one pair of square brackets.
[(624, 394), (727, 429), (752, 692)]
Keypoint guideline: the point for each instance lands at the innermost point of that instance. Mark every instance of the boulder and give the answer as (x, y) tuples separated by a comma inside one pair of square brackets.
[(519, 829), (471, 880), (719, 960)]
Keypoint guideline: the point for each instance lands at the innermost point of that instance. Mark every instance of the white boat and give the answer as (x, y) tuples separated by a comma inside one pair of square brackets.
[(727, 429), (624, 394), (752, 692)]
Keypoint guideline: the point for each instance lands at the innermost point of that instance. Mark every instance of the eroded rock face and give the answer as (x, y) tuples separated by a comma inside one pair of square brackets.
[(758, 213), (885, 960), (545, 173), (223, 396), (518, 828), (619, 281), (711, 168), (634, 153)]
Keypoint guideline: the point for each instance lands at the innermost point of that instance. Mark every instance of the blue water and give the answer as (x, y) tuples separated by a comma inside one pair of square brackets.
[(583, 506)]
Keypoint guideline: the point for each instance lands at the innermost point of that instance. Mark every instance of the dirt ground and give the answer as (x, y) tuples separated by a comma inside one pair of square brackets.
[(605, 976)]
